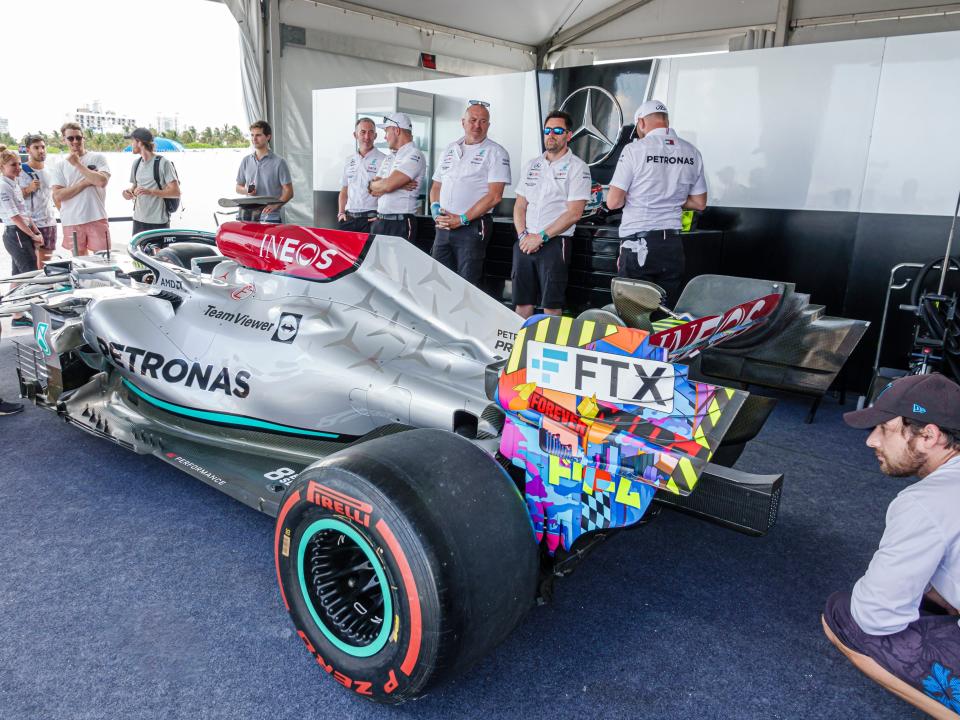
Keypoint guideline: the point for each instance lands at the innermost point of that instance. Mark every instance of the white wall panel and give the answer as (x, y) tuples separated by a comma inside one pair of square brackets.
[(780, 128), (914, 161)]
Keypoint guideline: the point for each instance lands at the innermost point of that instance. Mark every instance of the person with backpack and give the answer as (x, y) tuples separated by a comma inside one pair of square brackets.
[(154, 189)]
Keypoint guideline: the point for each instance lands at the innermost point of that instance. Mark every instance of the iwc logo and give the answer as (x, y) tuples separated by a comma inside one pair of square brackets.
[(597, 122), (287, 328)]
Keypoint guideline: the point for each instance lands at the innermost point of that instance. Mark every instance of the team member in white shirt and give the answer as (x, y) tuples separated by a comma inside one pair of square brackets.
[(899, 625), (467, 185), (356, 207), (397, 184), (552, 192), (35, 185), (656, 179)]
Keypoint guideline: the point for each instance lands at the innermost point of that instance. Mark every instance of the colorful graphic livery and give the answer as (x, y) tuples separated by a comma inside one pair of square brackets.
[(598, 421), (432, 461)]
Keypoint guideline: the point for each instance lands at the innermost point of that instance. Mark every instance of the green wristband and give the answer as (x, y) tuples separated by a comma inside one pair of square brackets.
[(463, 220)]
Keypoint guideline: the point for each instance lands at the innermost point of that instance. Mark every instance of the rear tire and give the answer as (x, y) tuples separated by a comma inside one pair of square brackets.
[(404, 560)]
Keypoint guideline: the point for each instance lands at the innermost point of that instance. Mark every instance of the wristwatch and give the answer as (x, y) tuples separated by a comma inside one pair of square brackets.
[(463, 220), (544, 236)]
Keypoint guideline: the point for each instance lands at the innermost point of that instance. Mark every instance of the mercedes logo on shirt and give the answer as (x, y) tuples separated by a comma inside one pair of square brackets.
[(597, 121)]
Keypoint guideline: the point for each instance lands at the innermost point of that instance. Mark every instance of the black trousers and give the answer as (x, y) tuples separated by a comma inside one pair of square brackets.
[(23, 253), (463, 250), (398, 228), (139, 227), (359, 223), (656, 256)]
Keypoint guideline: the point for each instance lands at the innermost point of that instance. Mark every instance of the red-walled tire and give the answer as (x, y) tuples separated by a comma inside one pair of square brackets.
[(404, 560)]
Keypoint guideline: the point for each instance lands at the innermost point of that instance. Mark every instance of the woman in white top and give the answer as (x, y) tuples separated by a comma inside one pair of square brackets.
[(21, 236)]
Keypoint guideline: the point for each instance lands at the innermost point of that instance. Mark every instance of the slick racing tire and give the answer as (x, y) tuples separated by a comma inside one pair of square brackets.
[(403, 560)]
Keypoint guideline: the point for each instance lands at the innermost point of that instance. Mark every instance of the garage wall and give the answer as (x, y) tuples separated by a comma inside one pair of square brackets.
[(827, 165)]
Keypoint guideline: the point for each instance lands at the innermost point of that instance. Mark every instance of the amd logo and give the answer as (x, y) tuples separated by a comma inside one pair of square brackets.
[(170, 284)]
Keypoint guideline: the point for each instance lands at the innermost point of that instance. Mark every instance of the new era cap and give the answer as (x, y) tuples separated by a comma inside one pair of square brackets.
[(931, 399), (648, 108), (141, 134), (398, 119)]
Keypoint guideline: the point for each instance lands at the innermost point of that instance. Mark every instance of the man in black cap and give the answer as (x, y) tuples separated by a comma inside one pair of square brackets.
[(899, 625), (148, 195)]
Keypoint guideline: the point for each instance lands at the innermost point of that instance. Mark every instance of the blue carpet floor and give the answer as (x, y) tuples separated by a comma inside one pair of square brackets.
[(129, 590)]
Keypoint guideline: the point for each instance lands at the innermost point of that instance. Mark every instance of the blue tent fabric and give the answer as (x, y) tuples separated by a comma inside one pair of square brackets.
[(162, 144)]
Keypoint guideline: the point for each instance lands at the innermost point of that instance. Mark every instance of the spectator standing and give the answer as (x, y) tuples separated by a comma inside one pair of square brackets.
[(149, 208), (263, 173), (79, 185), (35, 185), (20, 235)]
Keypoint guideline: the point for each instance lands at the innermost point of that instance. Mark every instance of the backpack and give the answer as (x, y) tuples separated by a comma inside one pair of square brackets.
[(171, 205)]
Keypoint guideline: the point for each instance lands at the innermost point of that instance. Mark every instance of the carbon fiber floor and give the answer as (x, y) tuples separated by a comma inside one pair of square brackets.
[(130, 590)]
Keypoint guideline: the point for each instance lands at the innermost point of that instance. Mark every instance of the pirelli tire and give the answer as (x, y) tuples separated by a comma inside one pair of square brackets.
[(404, 560)]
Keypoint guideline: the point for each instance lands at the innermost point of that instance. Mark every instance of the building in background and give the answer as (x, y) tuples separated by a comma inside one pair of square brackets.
[(4, 125), (94, 118), (167, 122)]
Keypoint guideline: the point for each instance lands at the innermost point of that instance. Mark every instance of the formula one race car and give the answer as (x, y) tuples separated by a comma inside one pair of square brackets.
[(431, 459)]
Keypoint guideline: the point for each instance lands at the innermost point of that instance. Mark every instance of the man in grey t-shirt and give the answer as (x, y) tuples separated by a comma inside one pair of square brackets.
[(899, 624), (149, 209), (264, 173)]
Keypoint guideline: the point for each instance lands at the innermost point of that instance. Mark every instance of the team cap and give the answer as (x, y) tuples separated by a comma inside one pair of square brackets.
[(648, 108), (398, 120)]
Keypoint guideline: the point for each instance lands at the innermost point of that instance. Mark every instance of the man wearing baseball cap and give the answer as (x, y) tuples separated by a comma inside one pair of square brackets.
[(397, 184), (656, 179), (899, 625), (149, 208)]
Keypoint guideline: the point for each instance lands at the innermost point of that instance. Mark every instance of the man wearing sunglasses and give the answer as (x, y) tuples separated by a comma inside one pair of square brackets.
[(397, 184), (552, 192), (657, 178), (79, 185), (357, 208), (467, 185)]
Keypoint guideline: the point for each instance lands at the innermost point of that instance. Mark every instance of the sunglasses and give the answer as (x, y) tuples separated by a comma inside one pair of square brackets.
[(73, 138), (482, 103), (391, 122), (554, 130)]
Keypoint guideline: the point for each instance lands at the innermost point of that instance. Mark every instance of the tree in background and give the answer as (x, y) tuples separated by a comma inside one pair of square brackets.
[(225, 137)]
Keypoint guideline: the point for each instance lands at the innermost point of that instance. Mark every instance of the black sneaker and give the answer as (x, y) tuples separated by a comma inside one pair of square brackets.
[(10, 408)]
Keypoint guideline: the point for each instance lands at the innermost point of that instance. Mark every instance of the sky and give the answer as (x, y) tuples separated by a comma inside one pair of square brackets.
[(140, 58)]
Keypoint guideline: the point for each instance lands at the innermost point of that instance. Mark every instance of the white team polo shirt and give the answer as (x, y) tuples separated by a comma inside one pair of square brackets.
[(358, 171), (657, 173), (410, 161), (549, 186), (465, 172)]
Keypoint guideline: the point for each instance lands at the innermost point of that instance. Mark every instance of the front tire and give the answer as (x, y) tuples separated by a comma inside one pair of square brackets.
[(404, 560)]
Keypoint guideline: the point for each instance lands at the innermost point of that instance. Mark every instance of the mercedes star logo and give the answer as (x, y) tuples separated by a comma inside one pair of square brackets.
[(601, 120)]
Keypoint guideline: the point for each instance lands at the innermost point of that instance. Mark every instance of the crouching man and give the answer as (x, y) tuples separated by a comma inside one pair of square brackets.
[(899, 625)]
